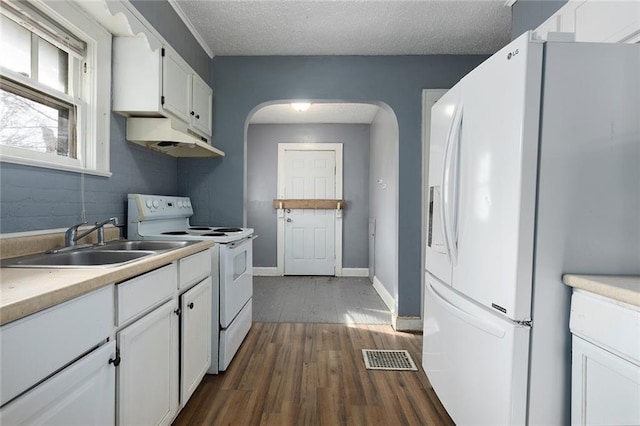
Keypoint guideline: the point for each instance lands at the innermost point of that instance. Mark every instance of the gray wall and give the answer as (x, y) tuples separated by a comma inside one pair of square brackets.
[(529, 14), (383, 196), (240, 84), (33, 198), (262, 174)]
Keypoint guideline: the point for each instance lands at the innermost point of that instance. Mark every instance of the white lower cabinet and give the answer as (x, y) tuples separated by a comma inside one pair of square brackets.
[(94, 360), (605, 375), (148, 370), (605, 389), (195, 338), (81, 394)]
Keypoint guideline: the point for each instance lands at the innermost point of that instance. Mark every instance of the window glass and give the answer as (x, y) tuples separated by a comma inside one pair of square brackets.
[(15, 42), (35, 124), (53, 65)]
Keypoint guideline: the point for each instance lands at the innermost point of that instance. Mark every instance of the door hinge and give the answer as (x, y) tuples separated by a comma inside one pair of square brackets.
[(161, 100), (84, 67), (162, 52), (525, 323), (116, 360)]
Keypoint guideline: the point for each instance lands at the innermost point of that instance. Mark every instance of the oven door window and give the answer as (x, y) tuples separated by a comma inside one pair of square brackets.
[(239, 264)]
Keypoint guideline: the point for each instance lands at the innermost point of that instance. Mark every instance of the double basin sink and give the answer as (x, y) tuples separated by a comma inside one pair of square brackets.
[(110, 254)]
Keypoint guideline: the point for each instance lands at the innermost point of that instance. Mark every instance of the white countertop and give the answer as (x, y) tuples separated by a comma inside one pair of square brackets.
[(623, 288), (24, 291)]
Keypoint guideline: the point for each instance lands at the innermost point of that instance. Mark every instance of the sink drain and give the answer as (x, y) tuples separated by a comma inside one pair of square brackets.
[(377, 359)]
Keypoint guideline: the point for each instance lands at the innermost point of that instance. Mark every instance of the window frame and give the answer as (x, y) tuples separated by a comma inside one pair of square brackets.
[(93, 102)]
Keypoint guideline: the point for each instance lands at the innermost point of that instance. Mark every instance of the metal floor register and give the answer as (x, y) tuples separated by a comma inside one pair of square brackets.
[(375, 359)]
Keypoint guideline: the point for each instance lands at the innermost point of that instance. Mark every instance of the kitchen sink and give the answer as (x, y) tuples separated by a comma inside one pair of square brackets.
[(144, 245), (77, 259), (111, 254)]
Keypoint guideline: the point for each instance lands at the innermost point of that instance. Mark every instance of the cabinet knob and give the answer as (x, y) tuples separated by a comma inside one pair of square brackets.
[(116, 361), (192, 113), (177, 311), (198, 117), (190, 305)]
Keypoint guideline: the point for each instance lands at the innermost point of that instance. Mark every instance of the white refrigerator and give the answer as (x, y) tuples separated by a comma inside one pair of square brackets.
[(534, 171)]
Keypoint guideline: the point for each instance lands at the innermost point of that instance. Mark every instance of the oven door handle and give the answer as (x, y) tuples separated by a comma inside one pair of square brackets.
[(233, 245)]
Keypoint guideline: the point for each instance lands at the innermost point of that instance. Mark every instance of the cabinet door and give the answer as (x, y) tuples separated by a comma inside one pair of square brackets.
[(195, 337), (202, 106), (176, 86), (605, 388), (148, 370), (81, 394)]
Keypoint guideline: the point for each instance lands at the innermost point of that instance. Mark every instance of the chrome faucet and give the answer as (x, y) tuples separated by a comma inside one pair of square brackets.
[(71, 235)]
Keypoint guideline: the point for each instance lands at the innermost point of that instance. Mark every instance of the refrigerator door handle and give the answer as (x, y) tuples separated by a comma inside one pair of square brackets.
[(467, 317), (449, 191)]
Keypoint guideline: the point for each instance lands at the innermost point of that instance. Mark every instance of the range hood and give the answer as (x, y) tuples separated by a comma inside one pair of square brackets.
[(169, 136)]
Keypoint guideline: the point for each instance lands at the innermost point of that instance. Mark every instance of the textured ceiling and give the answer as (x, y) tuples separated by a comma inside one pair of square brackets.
[(355, 27), (351, 113)]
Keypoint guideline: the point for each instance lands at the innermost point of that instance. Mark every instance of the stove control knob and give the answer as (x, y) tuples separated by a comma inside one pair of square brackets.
[(156, 203), (189, 204), (149, 203)]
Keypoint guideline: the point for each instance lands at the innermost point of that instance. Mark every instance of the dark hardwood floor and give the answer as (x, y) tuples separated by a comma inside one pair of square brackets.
[(313, 374)]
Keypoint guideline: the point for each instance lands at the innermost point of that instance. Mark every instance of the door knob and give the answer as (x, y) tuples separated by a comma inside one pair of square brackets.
[(289, 219)]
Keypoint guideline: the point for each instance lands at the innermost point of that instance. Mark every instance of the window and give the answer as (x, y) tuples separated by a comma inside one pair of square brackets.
[(54, 87)]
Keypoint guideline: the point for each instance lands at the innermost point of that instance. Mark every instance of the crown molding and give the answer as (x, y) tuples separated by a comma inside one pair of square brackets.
[(174, 4)]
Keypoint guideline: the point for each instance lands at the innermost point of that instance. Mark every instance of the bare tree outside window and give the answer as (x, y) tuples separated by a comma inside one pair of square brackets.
[(31, 125)]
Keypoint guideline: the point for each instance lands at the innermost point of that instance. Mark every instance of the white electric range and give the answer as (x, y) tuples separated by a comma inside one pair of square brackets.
[(160, 217)]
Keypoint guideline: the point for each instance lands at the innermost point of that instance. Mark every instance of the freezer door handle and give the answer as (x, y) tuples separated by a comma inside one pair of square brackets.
[(467, 317), (449, 186)]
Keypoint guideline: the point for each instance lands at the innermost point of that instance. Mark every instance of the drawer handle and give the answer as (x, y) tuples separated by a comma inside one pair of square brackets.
[(190, 305), (116, 361)]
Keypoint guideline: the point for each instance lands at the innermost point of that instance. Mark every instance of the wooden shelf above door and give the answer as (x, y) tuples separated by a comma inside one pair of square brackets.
[(309, 204)]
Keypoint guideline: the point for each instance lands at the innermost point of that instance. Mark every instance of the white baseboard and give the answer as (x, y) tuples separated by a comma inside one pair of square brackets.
[(407, 323), (265, 272), (355, 272), (384, 294), (273, 272)]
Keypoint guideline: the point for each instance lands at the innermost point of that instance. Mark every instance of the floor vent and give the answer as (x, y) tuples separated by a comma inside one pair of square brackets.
[(375, 359)]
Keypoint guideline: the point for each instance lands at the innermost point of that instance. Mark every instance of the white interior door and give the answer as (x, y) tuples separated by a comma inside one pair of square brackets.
[(309, 234)]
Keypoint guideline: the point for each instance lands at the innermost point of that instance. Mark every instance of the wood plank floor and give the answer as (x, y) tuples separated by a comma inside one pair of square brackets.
[(313, 374)]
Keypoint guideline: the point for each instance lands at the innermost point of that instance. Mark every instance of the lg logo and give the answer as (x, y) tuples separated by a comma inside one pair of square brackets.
[(512, 54)]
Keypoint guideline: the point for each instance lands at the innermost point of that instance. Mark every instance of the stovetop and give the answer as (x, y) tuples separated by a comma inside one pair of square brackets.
[(167, 218), (218, 234)]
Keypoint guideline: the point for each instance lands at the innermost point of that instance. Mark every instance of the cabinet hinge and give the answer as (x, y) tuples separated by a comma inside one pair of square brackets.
[(526, 323), (161, 100), (162, 52)]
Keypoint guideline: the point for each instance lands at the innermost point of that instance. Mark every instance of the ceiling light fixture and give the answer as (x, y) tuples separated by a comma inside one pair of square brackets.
[(300, 106)]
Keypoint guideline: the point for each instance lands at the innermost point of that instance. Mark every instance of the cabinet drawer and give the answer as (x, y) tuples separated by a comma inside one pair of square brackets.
[(36, 346), (139, 294), (194, 268), (612, 325)]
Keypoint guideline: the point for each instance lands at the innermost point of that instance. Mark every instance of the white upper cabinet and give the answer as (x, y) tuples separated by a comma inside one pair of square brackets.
[(176, 86), (202, 101), (159, 83)]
